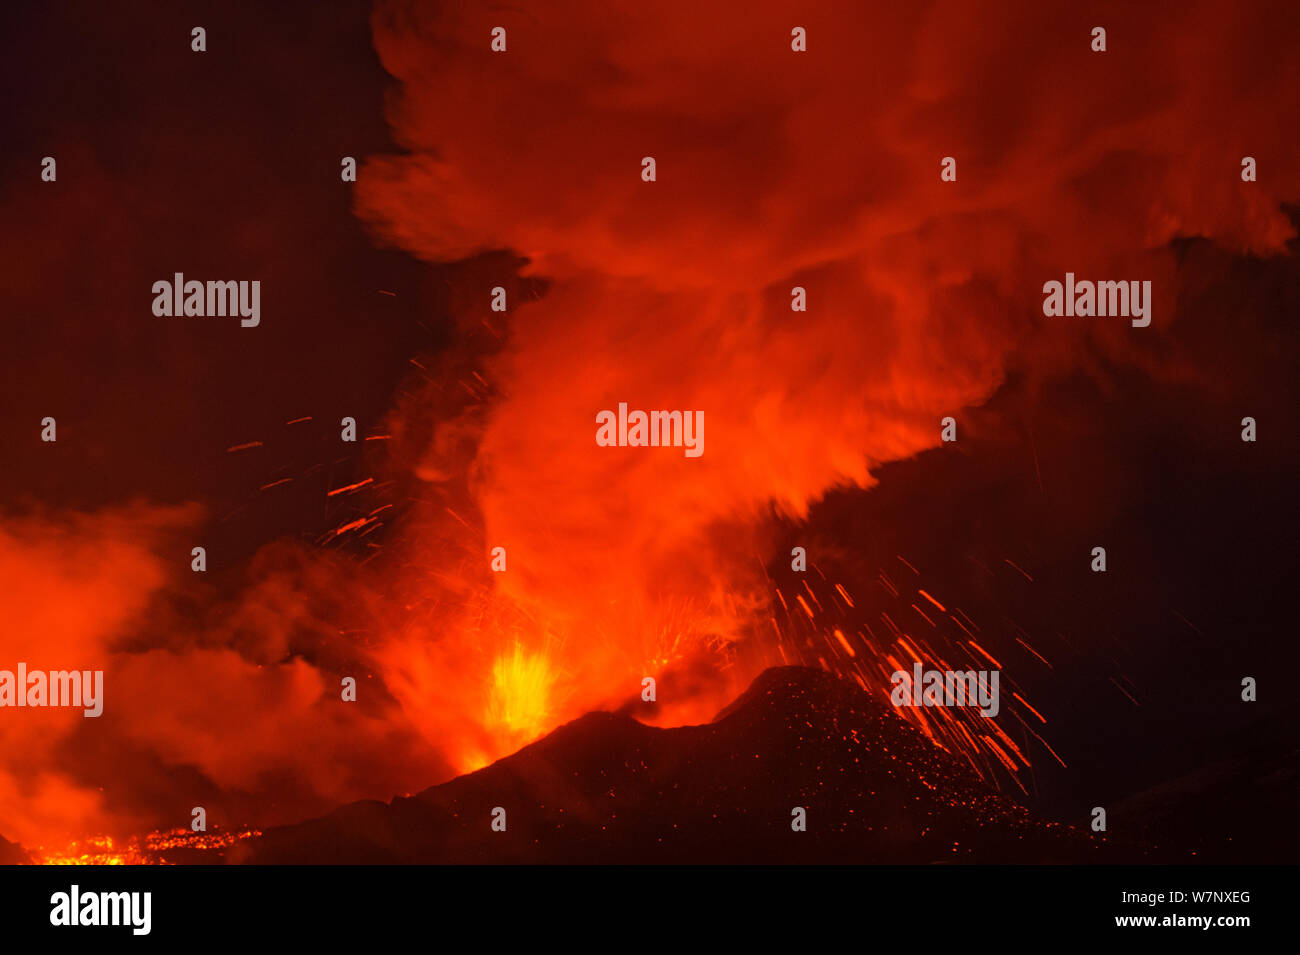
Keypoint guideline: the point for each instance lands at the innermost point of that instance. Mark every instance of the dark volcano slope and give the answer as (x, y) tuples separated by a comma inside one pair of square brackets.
[(11, 853), (606, 788)]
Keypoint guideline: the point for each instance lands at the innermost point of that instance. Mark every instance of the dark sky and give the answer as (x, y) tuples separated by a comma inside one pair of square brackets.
[(224, 165)]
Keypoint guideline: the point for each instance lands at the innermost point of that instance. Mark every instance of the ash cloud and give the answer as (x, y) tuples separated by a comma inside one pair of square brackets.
[(238, 711), (775, 170)]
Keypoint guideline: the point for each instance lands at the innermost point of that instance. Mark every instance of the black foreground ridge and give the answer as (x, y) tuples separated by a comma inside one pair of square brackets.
[(12, 854), (605, 788)]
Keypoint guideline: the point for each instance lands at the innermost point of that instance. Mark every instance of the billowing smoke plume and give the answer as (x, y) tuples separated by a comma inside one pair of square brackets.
[(777, 169), (226, 712)]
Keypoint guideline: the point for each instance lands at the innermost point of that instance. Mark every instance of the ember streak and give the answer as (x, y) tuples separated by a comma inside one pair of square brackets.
[(946, 688)]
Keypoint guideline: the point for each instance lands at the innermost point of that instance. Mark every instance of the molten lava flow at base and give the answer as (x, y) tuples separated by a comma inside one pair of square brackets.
[(164, 847)]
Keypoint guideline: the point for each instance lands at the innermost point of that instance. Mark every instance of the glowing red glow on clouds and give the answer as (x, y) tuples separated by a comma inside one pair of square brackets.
[(774, 170)]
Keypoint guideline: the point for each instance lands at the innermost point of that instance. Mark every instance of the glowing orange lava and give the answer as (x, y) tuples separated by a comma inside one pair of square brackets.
[(520, 701)]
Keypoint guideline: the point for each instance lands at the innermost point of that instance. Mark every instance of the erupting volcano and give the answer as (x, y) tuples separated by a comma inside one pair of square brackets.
[(513, 471), (607, 788)]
